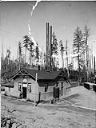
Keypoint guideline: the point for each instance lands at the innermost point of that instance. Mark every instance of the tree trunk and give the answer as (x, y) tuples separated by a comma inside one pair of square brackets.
[(25, 54), (62, 60)]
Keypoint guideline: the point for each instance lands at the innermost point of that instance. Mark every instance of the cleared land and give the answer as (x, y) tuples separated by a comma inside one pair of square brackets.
[(83, 97), (60, 115)]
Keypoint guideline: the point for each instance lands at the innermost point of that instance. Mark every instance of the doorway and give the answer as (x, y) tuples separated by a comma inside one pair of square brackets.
[(24, 92), (61, 88)]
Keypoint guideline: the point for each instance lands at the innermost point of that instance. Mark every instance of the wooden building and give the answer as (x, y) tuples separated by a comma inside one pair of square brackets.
[(37, 85)]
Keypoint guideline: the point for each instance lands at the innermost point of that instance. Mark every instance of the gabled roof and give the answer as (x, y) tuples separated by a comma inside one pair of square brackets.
[(41, 75)]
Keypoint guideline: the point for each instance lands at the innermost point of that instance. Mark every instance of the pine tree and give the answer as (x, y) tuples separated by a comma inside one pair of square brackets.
[(37, 52), (31, 49), (8, 55), (54, 50), (26, 44), (62, 51), (78, 47), (20, 53), (85, 39), (54, 45)]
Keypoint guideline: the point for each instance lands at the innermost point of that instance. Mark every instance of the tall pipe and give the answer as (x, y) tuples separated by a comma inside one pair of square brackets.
[(47, 42), (50, 49)]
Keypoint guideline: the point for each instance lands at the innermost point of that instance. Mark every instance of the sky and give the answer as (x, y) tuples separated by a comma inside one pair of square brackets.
[(63, 16)]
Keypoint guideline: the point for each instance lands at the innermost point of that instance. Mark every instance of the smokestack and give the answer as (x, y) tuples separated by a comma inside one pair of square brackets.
[(47, 41), (50, 50), (50, 38), (47, 36)]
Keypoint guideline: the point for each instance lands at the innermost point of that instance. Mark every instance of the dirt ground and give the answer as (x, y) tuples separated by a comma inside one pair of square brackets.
[(60, 115), (83, 97)]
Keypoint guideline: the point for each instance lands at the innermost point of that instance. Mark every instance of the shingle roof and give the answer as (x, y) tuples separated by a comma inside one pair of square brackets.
[(42, 75)]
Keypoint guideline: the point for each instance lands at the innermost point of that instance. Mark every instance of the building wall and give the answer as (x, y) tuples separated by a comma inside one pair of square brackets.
[(48, 95), (7, 90), (15, 92), (65, 90), (33, 95), (38, 91)]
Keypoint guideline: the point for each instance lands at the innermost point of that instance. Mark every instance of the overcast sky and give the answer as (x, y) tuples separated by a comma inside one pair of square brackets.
[(63, 16)]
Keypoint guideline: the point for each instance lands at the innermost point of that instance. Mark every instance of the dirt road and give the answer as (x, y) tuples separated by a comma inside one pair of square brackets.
[(52, 116)]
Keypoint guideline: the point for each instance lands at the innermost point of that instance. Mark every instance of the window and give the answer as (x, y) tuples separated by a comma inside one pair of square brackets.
[(46, 87), (61, 85), (29, 87), (19, 86)]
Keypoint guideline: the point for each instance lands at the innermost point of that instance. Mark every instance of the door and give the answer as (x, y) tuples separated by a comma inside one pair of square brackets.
[(24, 92), (61, 88)]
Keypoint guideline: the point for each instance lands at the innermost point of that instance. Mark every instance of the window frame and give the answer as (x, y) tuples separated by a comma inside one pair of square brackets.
[(20, 86), (29, 87)]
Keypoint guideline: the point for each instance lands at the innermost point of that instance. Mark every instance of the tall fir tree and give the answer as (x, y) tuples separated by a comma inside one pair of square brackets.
[(20, 54), (78, 48), (26, 44), (62, 52)]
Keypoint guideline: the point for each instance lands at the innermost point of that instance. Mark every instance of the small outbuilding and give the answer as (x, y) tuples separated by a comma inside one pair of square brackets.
[(37, 84)]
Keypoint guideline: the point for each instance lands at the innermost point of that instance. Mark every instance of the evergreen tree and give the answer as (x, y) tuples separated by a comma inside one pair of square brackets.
[(31, 49), (26, 41), (62, 51), (20, 53), (54, 45), (29, 44), (37, 52), (54, 50), (26, 44), (85, 39), (78, 47), (8, 55)]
